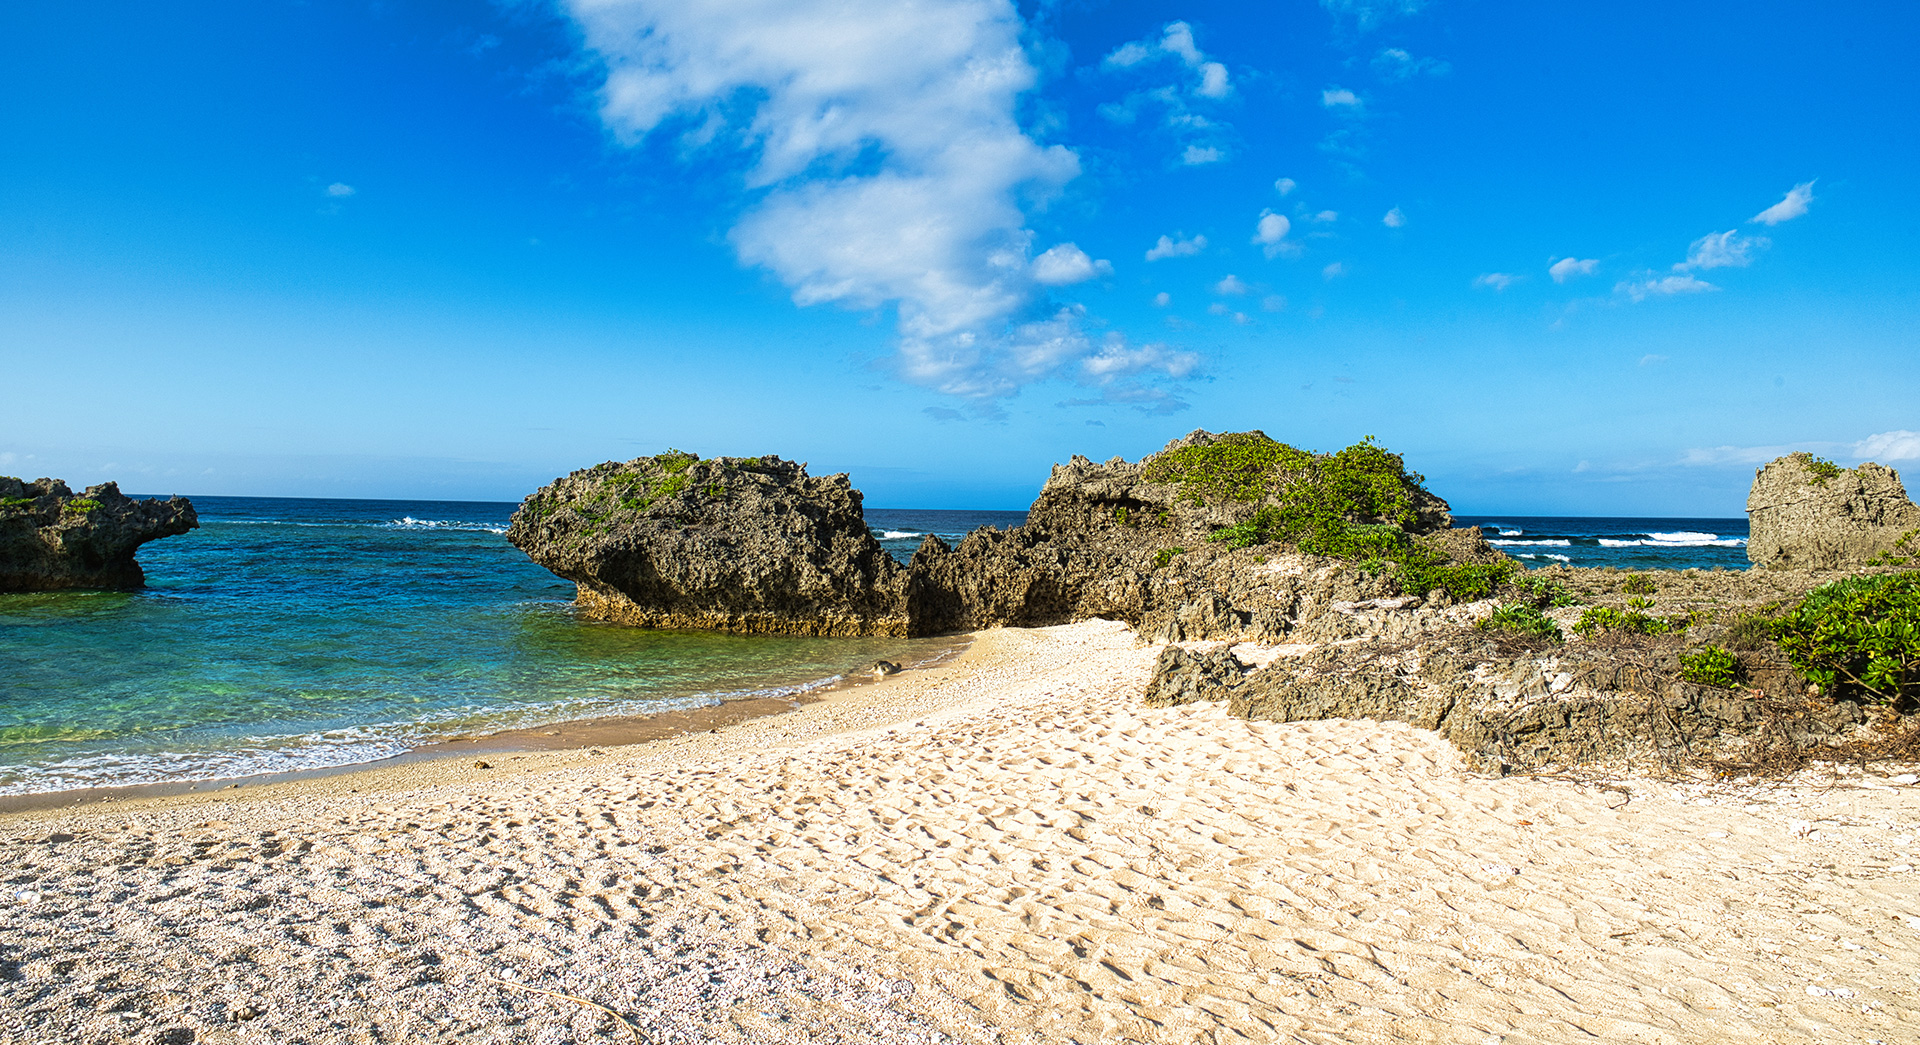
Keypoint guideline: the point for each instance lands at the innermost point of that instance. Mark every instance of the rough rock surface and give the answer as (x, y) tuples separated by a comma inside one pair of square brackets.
[(51, 539), (749, 545), (1511, 702), (1803, 519), (757, 545)]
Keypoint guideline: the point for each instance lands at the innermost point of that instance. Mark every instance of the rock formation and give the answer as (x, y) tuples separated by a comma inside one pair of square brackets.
[(757, 545), (51, 539), (742, 544), (1808, 514)]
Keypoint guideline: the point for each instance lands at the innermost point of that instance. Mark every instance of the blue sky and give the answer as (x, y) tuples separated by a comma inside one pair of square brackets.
[(1595, 259)]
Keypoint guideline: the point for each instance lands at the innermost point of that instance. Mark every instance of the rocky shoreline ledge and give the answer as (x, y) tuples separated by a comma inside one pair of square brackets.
[(1292, 586), (52, 539)]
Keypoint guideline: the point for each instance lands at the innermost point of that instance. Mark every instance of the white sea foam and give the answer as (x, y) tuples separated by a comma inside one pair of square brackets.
[(1542, 555), (1529, 544), (411, 523), (1676, 540), (894, 535), (1511, 533)]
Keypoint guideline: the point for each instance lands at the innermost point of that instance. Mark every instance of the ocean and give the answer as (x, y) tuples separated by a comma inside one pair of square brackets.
[(289, 634)]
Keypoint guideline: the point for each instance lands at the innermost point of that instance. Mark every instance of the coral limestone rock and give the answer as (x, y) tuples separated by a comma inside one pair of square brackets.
[(1809, 514), (752, 545), (51, 539)]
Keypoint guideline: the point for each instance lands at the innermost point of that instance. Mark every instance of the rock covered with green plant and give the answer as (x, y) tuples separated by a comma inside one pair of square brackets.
[(1806, 513), (52, 539), (752, 545)]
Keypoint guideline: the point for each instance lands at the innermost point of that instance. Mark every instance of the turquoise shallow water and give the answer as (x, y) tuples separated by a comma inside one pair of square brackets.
[(299, 634)]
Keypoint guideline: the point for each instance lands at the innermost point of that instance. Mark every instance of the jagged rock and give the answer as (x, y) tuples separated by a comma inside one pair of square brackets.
[(755, 545), (1808, 515), (50, 539), (750, 545)]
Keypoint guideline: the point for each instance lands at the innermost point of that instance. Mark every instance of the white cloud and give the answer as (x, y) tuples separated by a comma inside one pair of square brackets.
[(1339, 98), (1367, 14), (1396, 218), (1325, 217), (1568, 268), (1662, 286), (339, 190), (813, 92), (1285, 186), (1397, 65), (1652, 359), (1721, 250), (1498, 281), (1115, 360), (1162, 299), (1128, 55), (1334, 271), (1718, 455), (1172, 247), (1274, 303), (1218, 309), (1230, 285), (1213, 81), (1178, 40), (1195, 155), (1898, 445), (1270, 231), (1794, 205), (1067, 264)]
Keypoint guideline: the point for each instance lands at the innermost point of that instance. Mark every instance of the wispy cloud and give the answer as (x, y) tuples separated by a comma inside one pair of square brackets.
[(1230, 285), (1176, 247), (1067, 264), (1334, 271), (338, 190), (1203, 79), (1396, 65), (1496, 281), (1197, 155), (1662, 286), (1340, 98), (1396, 218), (1717, 250), (1898, 445), (1367, 15), (1718, 455), (849, 139), (1285, 186), (1572, 268), (1792, 206)]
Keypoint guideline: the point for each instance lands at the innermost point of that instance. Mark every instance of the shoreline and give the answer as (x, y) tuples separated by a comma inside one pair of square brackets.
[(565, 736), (1008, 846)]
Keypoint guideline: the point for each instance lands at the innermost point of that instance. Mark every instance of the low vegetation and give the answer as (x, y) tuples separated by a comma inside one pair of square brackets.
[(1710, 666), (1599, 619), (1523, 619), (82, 505), (1858, 637), (1822, 469), (1639, 584)]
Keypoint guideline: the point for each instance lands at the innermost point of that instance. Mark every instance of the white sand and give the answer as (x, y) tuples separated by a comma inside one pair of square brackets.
[(1005, 848)]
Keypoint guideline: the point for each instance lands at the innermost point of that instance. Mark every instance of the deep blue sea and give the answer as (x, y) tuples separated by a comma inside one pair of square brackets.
[(302, 634)]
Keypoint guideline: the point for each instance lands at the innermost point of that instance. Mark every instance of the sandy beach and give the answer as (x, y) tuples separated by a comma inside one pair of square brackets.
[(1004, 848)]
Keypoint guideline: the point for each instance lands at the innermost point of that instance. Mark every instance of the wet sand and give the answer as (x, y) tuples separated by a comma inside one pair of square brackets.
[(1007, 848)]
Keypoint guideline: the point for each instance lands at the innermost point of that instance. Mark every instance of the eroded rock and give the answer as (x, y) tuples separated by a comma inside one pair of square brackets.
[(51, 539), (1811, 515)]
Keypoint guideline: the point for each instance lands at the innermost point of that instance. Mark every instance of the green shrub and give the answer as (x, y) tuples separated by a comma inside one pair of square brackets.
[(83, 505), (1638, 603), (1465, 583), (1904, 552), (1750, 631), (1120, 515), (1858, 636), (1165, 556), (1639, 584), (1523, 618), (1544, 592), (1710, 666), (15, 502), (1822, 469), (1605, 618)]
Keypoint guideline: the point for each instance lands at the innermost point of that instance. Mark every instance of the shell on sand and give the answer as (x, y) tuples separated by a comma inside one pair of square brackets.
[(1008, 847)]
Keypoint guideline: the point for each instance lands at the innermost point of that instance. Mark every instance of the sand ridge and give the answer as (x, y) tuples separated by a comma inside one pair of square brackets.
[(1005, 848)]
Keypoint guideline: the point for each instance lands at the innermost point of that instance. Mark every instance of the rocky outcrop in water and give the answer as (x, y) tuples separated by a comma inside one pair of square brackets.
[(752, 545), (51, 539), (757, 545), (1808, 514)]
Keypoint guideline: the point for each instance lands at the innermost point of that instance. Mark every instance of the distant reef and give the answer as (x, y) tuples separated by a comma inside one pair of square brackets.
[(1170, 544), (1810, 514), (51, 539)]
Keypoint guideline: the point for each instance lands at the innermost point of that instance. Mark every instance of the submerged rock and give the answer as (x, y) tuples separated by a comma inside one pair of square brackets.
[(51, 539), (1808, 514)]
